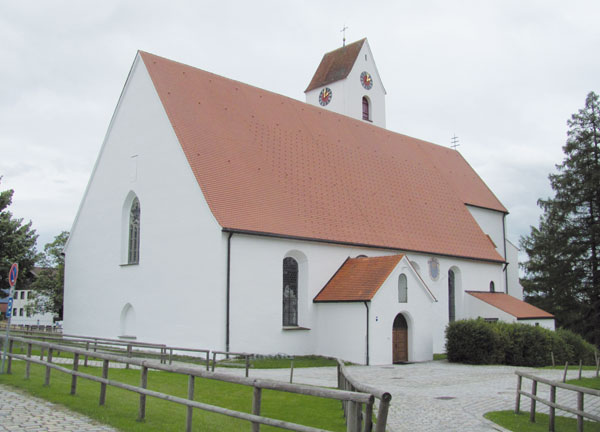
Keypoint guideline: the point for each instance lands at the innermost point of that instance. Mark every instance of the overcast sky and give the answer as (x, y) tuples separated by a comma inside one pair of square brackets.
[(504, 76)]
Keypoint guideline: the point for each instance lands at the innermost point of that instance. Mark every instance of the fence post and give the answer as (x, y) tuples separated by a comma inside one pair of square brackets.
[(143, 384), (552, 409), (518, 401), (9, 364), (207, 360), (48, 369), (579, 408), (533, 401), (292, 370), (27, 362), (597, 364), (103, 385), (87, 347), (384, 405), (128, 355), (41, 353), (580, 367), (565, 373), (170, 356), (190, 410), (247, 364), (369, 416), (74, 377), (552, 355), (256, 400), (214, 361)]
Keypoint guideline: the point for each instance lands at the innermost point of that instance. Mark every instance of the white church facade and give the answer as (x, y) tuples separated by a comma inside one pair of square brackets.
[(223, 216)]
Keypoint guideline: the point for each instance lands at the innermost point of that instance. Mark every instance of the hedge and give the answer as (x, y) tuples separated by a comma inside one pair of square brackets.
[(477, 341)]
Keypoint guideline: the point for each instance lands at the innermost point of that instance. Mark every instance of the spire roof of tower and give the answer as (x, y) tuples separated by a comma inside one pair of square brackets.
[(336, 65)]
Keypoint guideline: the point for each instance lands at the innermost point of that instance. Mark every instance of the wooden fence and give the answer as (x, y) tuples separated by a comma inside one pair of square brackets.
[(579, 411), (352, 400), (353, 411)]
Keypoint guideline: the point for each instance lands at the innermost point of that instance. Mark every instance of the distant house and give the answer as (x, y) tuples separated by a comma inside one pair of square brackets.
[(22, 314), (223, 216)]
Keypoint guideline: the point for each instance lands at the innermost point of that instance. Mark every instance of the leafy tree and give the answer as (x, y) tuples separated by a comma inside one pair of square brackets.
[(562, 274), (17, 244), (48, 286)]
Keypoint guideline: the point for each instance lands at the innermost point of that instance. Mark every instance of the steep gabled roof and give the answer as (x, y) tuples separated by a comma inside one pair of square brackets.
[(358, 279), (511, 305), (273, 165), (335, 65)]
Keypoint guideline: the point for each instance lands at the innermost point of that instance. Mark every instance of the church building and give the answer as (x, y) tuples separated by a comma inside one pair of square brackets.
[(226, 217)]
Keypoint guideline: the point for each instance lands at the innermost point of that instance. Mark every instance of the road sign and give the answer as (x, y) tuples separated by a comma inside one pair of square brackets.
[(9, 307), (12, 274)]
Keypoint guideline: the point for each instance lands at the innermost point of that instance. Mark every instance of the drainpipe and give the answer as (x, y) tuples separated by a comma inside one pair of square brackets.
[(367, 306), (504, 238), (228, 291)]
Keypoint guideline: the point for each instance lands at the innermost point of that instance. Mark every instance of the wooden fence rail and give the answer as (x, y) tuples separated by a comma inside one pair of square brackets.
[(350, 398), (552, 404), (353, 411)]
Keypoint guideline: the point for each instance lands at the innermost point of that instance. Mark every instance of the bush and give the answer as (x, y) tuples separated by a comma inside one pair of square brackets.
[(474, 342), (480, 342)]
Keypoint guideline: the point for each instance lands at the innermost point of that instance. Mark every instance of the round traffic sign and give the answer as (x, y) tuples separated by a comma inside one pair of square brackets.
[(12, 274)]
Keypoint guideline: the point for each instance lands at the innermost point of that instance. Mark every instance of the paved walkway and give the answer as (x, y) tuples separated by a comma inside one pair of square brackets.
[(430, 397), (22, 412), (440, 396)]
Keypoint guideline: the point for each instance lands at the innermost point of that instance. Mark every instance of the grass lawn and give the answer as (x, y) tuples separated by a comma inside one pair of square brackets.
[(440, 356), (593, 383), (281, 363), (121, 406), (520, 422)]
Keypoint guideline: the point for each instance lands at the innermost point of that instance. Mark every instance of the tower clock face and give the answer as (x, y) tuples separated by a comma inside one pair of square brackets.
[(366, 80), (325, 96)]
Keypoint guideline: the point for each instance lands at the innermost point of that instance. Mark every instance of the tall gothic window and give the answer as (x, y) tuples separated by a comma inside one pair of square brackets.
[(133, 256), (402, 289), (451, 301), (492, 286), (290, 292), (365, 109)]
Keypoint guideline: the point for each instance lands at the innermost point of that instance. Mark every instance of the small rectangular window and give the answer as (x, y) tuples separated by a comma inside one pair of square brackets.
[(22, 295)]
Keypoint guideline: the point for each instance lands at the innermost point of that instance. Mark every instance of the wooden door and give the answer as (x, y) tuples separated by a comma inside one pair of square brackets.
[(400, 340)]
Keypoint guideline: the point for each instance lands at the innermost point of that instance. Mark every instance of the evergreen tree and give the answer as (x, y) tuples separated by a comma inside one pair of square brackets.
[(17, 244), (48, 286), (562, 274)]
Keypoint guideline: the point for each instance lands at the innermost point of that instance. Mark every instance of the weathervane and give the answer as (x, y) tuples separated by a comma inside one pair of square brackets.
[(343, 30), (454, 142)]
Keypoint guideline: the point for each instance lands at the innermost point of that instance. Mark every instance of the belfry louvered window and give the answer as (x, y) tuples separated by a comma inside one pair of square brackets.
[(290, 292), (133, 256)]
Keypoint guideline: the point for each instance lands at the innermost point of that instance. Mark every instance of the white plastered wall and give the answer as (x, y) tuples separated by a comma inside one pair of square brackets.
[(177, 291), (546, 323), (515, 288), (418, 312)]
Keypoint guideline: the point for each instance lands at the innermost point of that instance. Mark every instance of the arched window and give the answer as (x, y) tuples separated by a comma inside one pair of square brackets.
[(492, 286), (290, 292), (133, 256), (451, 301), (402, 289), (366, 109)]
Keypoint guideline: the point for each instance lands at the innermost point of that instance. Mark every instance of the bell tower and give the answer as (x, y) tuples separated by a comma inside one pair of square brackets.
[(347, 82)]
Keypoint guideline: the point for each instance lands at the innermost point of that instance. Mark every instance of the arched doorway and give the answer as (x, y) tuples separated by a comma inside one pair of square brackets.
[(400, 339)]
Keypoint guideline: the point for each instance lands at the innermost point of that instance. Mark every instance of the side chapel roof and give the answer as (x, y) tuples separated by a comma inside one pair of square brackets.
[(358, 279), (335, 65), (511, 305), (273, 165)]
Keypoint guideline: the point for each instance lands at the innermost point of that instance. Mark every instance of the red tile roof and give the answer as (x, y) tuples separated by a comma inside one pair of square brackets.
[(270, 164), (335, 65), (358, 279), (511, 305)]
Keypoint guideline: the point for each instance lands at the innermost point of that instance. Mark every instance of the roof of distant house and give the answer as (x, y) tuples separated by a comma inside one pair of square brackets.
[(268, 164), (511, 305)]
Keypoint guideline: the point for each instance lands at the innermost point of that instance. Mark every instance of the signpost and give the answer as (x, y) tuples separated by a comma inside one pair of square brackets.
[(12, 281)]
